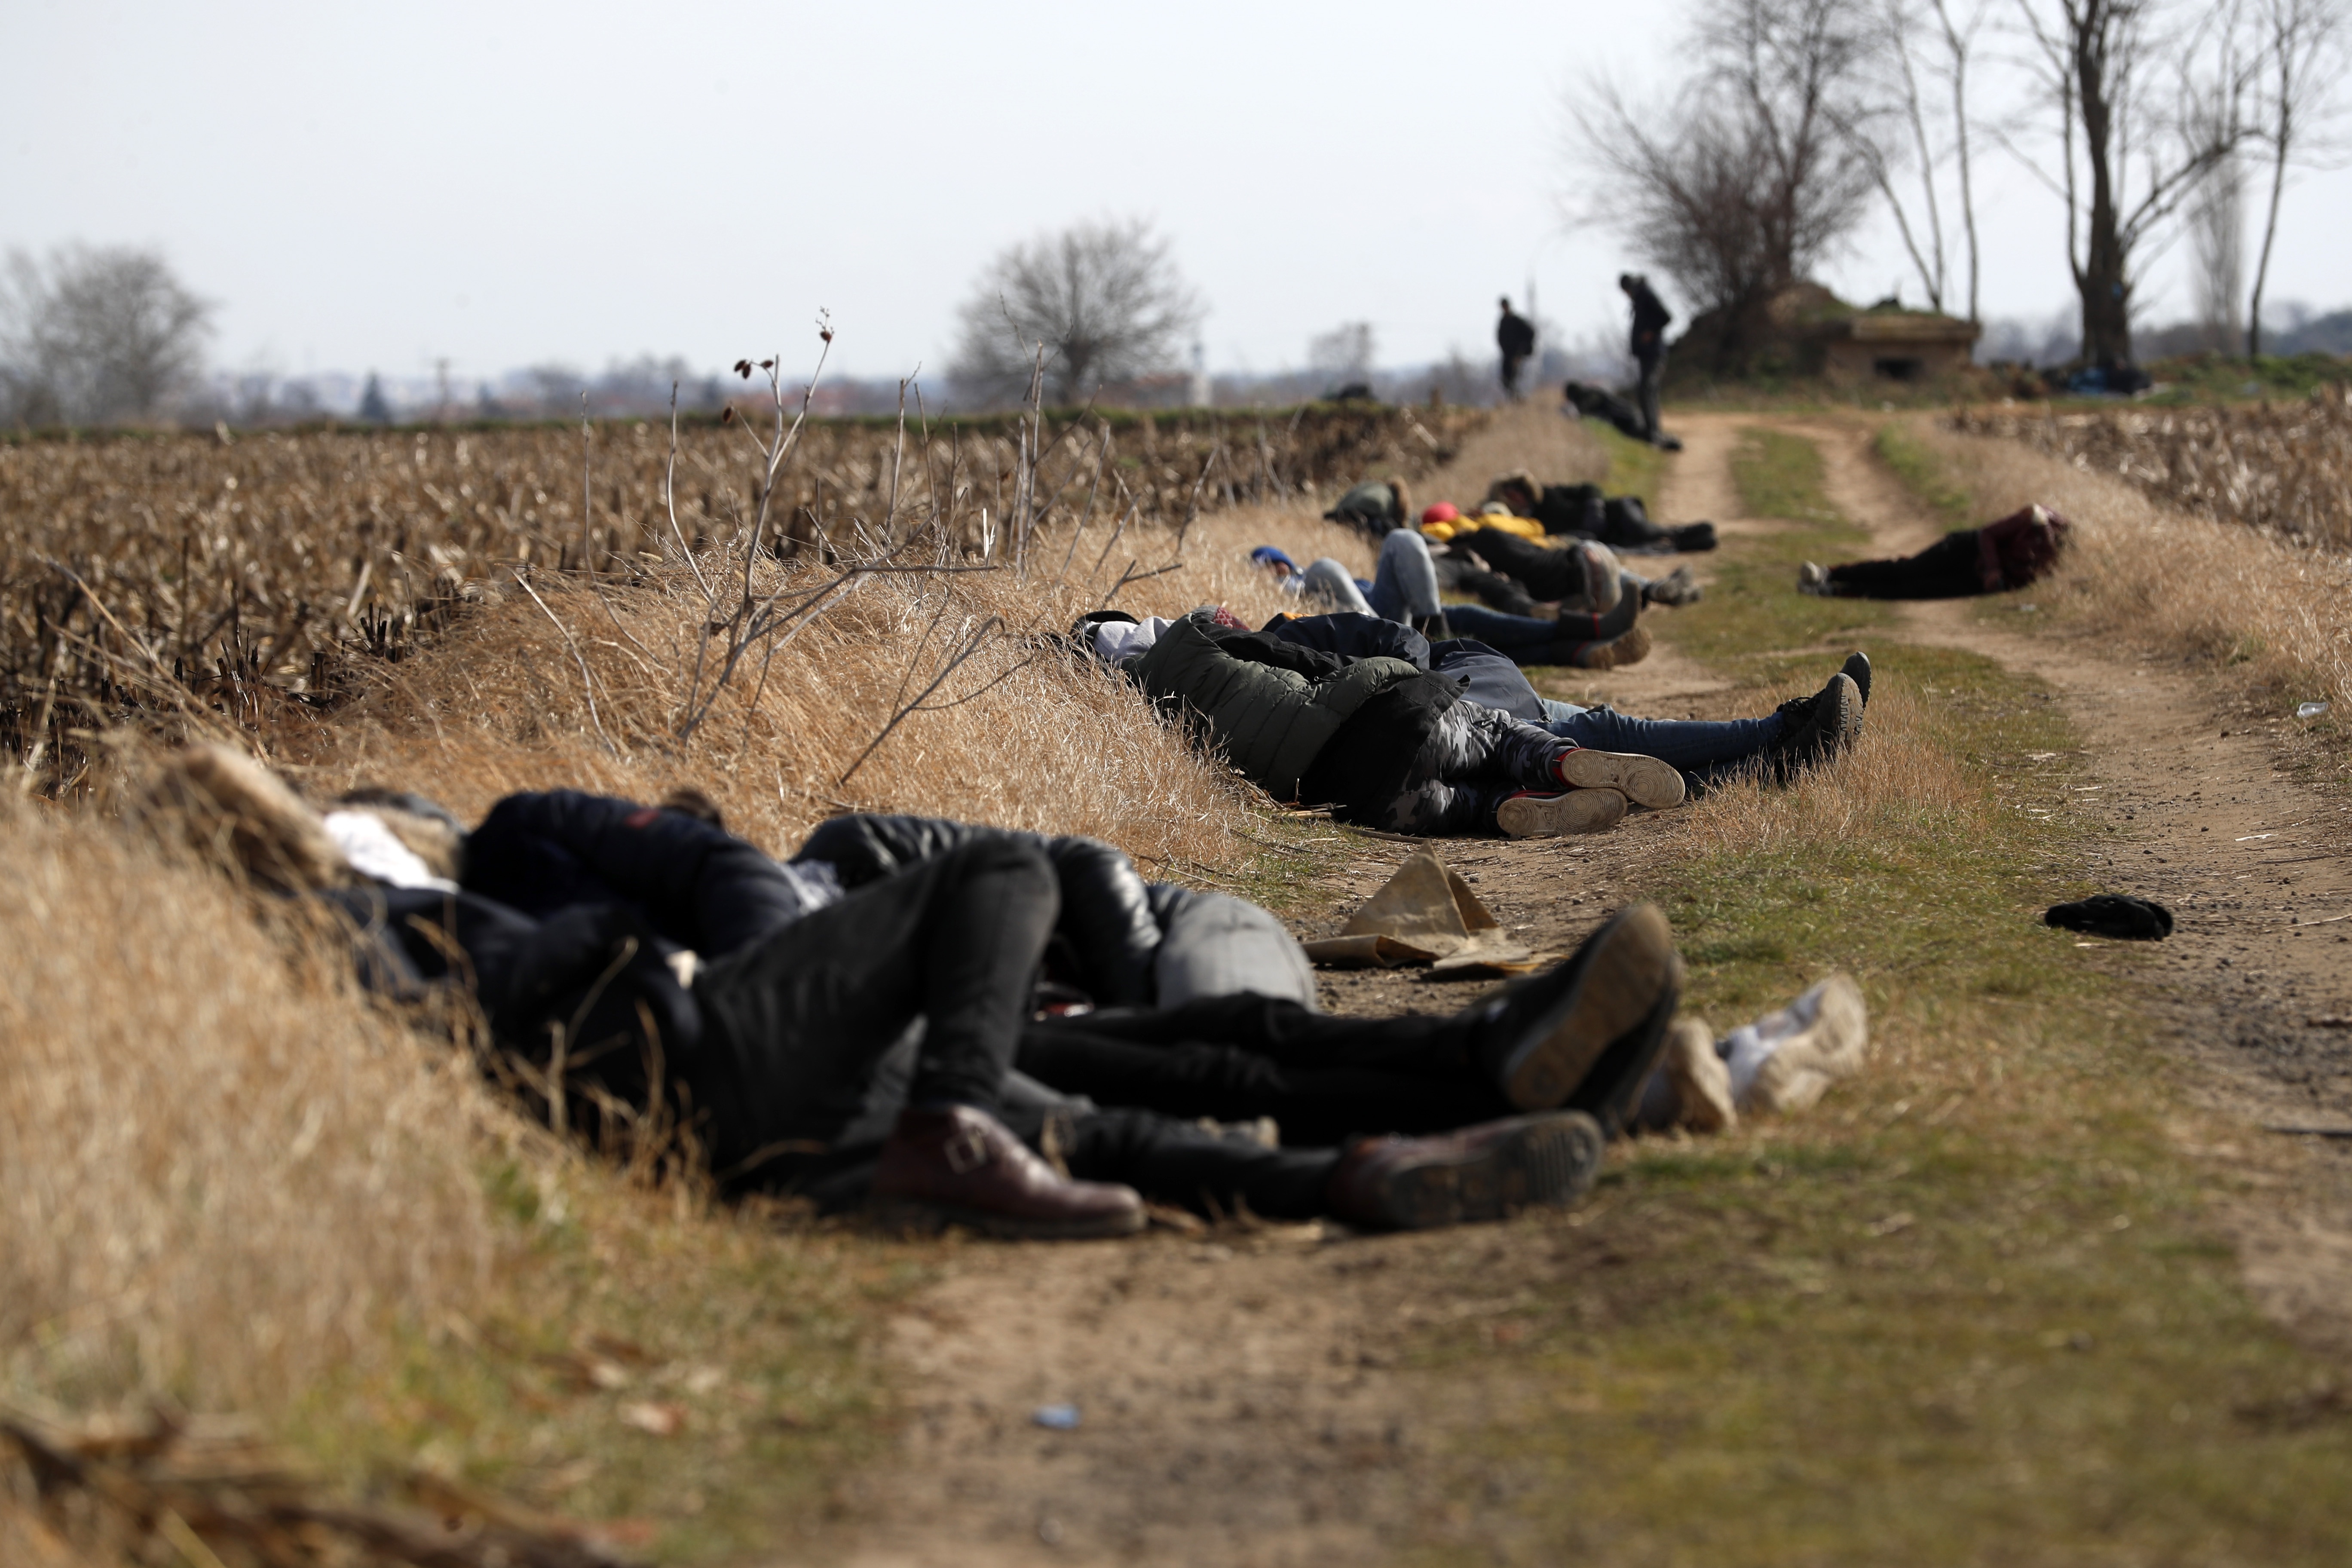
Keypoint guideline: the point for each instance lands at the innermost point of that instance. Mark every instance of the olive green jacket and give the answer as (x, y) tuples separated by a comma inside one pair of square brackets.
[(1270, 721)]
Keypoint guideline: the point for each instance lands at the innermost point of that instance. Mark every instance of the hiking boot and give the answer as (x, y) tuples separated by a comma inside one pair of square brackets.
[(1565, 1037), (1702, 1084), (1857, 669), (962, 1165), (1530, 816), (1644, 781), (1820, 1038), (1813, 578), (1488, 1171), (1676, 588), (1816, 728), (1631, 649)]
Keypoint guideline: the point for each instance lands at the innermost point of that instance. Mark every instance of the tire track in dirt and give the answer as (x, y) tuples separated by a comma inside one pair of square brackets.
[(2202, 811)]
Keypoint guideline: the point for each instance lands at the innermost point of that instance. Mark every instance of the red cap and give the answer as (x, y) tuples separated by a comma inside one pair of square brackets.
[(1443, 511)]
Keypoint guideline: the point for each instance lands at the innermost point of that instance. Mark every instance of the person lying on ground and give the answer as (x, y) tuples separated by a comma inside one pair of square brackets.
[(1588, 402), (766, 1054), (1300, 1082), (1376, 507), (1621, 522), (1799, 733), (1460, 567), (1386, 743), (2021, 548), (1404, 588)]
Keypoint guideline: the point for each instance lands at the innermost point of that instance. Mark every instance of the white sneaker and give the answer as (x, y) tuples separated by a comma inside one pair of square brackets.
[(1557, 815), (1813, 578), (1785, 1061), (1644, 781)]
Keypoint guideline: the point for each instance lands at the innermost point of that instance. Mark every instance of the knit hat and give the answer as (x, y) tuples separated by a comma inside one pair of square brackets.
[(1443, 511), (1268, 555)]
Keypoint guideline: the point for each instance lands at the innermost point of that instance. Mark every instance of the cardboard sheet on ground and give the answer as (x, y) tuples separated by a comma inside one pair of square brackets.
[(1423, 914)]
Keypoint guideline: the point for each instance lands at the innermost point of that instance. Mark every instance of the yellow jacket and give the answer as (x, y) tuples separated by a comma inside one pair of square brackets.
[(1525, 527)]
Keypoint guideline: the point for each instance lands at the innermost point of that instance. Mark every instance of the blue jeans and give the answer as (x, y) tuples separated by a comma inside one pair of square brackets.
[(1687, 743), (1504, 633)]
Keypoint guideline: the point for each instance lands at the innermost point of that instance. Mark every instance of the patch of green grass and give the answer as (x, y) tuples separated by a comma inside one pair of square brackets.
[(751, 1339), (1972, 1308), (1635, 467), (1925, 475), (1753, 608)]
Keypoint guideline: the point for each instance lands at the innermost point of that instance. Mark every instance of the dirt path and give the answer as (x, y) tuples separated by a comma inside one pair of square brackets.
[(2209, 816), (1237, 1398)]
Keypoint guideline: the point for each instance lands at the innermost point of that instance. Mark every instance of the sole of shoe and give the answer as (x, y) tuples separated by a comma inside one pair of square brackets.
[(1857, 669), (1630, 965), (1840, 715), (1544, 1161), (1644, 781), (1558, 816), (929, 1219), (1611, 1090), (1632, 647)]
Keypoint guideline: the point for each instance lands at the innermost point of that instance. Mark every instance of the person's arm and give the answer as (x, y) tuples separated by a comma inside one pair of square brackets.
[(1354, 636)]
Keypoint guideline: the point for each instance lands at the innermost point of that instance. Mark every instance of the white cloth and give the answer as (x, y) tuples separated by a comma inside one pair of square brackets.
[(1118, 641), (374, 852)]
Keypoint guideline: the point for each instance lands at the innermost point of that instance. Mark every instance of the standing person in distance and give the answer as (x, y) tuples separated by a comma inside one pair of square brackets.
[(1516, 336), (1650, 319)]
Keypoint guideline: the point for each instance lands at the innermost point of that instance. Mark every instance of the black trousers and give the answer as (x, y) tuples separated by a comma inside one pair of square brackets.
[(1548, 572), (1495, 591), (1647, 395), (795, 1022), (1325, 1080), (1944, 570)]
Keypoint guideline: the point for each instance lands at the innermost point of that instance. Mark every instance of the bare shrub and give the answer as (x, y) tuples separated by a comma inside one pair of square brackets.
[(222, 1174), (1104, 299)]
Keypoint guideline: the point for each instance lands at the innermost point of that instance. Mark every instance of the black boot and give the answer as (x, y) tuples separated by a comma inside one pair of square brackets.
[(1816, 728), (1565, 1037)]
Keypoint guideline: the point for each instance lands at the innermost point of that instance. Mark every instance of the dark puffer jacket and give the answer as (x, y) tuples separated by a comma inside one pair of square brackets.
[(1283, 713)]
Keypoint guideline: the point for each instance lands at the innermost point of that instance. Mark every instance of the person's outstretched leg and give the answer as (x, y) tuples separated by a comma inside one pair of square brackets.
[(1330, 582), (797, 1022), (1687, 743), (1404, 584), (1944, 570), (1480, 1172)]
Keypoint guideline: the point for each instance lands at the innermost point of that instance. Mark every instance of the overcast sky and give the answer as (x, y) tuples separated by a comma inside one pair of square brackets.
[(377, 187)]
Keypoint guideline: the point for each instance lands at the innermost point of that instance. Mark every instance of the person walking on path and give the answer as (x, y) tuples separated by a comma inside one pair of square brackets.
[(1649, 344), (1516, 336)]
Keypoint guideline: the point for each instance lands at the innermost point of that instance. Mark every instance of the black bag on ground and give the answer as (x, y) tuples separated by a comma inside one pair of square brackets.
[(2117, 915)]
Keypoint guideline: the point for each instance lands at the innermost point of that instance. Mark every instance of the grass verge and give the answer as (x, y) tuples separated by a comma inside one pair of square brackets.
[(1970, 1308), (694, 1384)]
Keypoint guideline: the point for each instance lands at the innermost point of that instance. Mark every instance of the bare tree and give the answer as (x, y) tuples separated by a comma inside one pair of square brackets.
[(2216, 215), (1761, 177), (2302, 60), (2099, 61), (1105, 299), (1920, 77), (95, 335)]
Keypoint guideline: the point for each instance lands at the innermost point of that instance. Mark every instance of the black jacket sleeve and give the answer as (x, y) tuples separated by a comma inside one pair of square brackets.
[(1353, 637)]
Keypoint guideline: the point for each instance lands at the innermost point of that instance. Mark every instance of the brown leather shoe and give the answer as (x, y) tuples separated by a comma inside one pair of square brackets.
[(963, 1166), (1485, 1172)]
